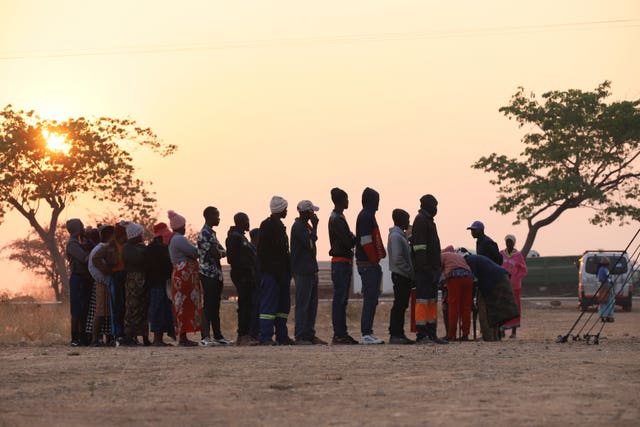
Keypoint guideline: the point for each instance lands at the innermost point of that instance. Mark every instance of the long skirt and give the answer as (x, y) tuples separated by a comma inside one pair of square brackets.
[(606, 308), (93, 312), (186, 293), (161, 310), (514, 323), (501, 304), (136, 316)]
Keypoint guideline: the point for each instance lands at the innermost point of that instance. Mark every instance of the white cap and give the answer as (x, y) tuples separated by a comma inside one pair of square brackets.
[(307, 206)]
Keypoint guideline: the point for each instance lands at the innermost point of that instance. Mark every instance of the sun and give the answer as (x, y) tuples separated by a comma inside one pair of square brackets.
[(56, 142)]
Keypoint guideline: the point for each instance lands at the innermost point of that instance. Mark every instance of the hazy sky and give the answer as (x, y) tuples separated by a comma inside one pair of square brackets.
[(292, 98)]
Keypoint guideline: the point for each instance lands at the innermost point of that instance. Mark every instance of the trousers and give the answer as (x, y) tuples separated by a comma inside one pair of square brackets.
[(275, 304)]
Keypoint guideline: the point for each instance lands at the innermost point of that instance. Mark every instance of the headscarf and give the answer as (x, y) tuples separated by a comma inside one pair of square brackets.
[(448, 249), (278, 205), (510, 237), (133, 230), (162, 230), (176, 220)]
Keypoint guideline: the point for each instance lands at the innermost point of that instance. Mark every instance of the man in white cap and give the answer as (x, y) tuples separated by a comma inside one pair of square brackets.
[(275, 266), (304, 267)]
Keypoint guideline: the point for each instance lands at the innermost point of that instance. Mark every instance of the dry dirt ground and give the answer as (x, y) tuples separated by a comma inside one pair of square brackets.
[(527, 381)]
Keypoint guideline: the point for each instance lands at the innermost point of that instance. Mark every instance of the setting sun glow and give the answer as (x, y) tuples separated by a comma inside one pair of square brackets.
[(56, 142)]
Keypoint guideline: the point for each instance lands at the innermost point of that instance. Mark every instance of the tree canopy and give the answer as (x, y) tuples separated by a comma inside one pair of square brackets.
[(46, 164), (580, 151)]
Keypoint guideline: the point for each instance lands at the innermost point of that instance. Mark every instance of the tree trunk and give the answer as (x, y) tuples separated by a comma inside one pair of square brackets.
[(531, 237), (61, 267)]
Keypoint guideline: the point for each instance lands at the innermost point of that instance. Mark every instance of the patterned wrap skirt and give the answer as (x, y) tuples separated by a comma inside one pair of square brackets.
[(501, 303), (186, 294), (514, 323), (136, 316)]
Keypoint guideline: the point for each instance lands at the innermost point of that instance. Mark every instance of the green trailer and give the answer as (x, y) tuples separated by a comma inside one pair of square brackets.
[(554, 276)]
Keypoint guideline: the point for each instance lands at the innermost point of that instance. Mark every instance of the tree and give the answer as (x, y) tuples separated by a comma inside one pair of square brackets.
[(580, 152), (46, 164), (33, 255)]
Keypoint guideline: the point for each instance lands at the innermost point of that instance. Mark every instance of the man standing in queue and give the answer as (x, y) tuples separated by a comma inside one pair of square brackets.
[(242, 259), (304, 267), (426, 249), (210, 251), (369, 251), (274, 260), (342, 242)]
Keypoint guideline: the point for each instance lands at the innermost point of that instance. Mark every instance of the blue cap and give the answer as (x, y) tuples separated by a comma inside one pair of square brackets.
[(477, 225)]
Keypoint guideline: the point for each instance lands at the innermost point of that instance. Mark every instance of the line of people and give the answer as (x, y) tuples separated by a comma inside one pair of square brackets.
[(119, 287)]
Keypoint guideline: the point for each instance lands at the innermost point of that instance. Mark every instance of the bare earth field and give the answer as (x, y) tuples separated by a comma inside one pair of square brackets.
[(527, 381)]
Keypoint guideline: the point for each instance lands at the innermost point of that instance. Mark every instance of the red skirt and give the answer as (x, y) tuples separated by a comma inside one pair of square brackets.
[(186, 294)]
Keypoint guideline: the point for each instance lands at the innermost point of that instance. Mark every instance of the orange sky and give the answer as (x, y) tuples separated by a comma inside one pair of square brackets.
[(293, 98)]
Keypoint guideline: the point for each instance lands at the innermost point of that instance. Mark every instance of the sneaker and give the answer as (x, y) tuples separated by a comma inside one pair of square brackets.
[(345, 340), (75, 343), (400, 340), (370, 339), (286, 341), (222, 341), (206, 342), (317, 341), (268, 342), (303, 342)]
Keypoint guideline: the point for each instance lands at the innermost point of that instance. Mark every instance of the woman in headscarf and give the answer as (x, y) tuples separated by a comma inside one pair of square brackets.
[(186, 290), (606, 296), (136, 316), (158, 272), (100, 264), (514, 263)]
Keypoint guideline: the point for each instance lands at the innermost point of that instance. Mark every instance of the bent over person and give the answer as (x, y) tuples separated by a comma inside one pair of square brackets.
[(496, 303)]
